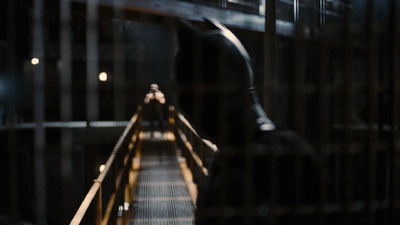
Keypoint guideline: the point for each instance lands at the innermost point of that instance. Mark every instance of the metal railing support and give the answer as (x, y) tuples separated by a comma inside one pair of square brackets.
[(197, 151), (99, 210), (132, 129)]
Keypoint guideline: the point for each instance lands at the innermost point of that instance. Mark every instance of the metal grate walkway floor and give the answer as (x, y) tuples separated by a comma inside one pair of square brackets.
[(162, 196)]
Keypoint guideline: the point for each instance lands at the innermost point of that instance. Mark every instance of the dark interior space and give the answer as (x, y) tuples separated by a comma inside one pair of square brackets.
[(326, 73)]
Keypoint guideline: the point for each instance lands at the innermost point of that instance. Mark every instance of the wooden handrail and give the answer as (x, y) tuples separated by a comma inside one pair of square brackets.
[(97, 183)]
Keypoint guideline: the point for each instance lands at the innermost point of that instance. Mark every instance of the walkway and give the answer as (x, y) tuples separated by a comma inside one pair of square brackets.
[(161, 193)]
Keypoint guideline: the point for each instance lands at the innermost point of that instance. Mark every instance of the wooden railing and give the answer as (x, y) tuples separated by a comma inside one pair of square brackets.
[(198, 152), (112, 185)]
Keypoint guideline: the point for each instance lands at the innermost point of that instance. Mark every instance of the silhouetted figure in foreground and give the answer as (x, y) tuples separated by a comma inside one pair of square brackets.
[(155, 99), (261, 174)]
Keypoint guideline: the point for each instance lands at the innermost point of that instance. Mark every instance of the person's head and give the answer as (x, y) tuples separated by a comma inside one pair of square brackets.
[(231, 113), (154, 87)]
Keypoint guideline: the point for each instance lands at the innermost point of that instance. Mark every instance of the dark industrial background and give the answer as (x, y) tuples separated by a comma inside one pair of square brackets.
[(326, 69)]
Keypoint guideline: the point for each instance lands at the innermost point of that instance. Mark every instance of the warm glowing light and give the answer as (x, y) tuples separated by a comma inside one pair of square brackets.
[(35, 61), (102, 166), (126, 206), (103, 76)]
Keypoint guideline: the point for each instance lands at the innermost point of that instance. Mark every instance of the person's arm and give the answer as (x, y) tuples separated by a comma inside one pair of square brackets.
[(160, 97), (147, 98), (162, 100)]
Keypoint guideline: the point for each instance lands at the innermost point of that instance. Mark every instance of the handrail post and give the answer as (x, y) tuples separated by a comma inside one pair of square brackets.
[(99, 210), (171, 118), (197, 150), (202, 151), (191, 139), (201, 158)]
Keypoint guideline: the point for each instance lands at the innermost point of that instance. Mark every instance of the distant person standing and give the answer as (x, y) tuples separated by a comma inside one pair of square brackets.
[(155, 99)]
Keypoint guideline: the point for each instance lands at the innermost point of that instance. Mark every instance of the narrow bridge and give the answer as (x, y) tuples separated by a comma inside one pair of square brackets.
[(149, 178)]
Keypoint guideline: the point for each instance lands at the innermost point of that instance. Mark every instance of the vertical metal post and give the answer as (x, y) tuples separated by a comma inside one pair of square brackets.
[(249, 196), (372, 108), (270, 82), (92, 64), (92, 71), (299, 87), (322, 14), (261, 9), (296, 11), (191, 139), (66, 102), (99, 208), (324, 115), (39, 112), (270, 58), (299, 118), (10, 112), (395, 111), (273, 168), (348, 108), (223, 3), (202, 155), (300, 110), (324, 89), (119, 62)]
